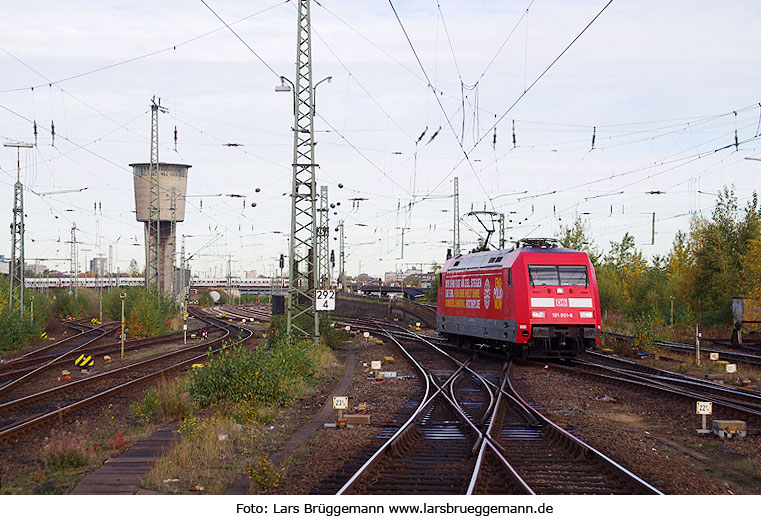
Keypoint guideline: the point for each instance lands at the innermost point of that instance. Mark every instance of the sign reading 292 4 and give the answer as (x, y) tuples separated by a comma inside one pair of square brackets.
[(325, 300)]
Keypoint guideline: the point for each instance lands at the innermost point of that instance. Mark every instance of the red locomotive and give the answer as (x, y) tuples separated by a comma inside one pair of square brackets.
[(536, 300)]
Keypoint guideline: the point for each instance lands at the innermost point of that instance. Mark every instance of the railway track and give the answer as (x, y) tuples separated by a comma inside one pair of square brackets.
[(11, 373), (461, 440), (752, 356), (41, 408), (729, 402), (24, 367), (546, 457)]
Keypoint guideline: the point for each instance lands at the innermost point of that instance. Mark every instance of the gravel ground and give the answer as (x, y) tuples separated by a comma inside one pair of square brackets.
[(653, 437), (327, 451)]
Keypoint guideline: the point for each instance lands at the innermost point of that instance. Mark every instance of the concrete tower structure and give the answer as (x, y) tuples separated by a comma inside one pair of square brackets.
[(173, 183)]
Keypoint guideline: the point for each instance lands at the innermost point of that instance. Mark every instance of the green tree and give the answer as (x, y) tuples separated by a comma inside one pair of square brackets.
[(718, 247), (576, 237), (134, 269)]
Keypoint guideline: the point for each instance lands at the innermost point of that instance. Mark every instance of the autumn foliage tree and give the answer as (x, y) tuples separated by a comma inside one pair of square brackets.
[(719, 258)]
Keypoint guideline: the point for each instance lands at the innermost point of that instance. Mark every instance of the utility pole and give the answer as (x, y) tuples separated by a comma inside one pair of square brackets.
[(403, 230), (182, 278), (17, 235), (110, 265), (153, 264), (323, 237), (74, 262), (302, 258), (341, 257), (456, 242), (229, 280), (501, 230)]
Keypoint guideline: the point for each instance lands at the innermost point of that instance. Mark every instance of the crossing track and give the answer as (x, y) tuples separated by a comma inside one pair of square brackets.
[(548, 459), (11, 373), (39, 409), (460, 440), (22, 368)]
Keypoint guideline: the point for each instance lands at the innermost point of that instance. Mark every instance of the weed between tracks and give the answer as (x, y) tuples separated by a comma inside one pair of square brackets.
[(239, 398)]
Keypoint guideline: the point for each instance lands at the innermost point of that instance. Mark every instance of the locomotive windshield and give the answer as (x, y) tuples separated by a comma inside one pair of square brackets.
[(541, 275)]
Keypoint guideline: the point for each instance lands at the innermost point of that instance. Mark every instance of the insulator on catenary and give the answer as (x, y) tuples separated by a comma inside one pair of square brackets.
[(35, 133), (421, 135), (594, 134), (52, 133), (513, 133), (494, 138)]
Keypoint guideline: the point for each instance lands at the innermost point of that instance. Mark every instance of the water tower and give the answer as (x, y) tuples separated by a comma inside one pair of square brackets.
[(172, 184)]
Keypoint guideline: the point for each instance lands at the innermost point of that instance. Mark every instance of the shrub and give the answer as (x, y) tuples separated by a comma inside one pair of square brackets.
[(15, 331), (147, 312), (268, 375), (648, 328), (65, 304), (331, 336), (265, 474), (146, 410)]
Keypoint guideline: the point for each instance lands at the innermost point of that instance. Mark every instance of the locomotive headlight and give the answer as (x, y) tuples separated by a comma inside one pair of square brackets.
[(586, 315), (536, 314)]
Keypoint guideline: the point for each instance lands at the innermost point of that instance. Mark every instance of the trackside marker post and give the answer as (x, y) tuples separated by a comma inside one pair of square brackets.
[(704, 408), (340, 404)]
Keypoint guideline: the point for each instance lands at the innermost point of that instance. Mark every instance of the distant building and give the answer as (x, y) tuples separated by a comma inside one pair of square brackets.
[(36, 269), (99, 266), (251, 274), (411, 277)]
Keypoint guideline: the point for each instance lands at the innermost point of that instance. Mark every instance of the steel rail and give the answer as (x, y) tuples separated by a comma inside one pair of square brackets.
[(643, 381), (4, 388), (11, 431), (374, 458), (613, 465), (490, 444)]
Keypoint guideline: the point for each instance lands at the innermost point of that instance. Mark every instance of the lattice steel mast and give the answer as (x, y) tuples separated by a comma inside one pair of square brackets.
[(456, 241), (302, 271), (173, 242), (17, 235), (323, 237), (153, 262), (341, 273), (74, 262)]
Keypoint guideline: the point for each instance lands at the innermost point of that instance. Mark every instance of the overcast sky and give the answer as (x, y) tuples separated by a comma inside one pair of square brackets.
[(662, 87)]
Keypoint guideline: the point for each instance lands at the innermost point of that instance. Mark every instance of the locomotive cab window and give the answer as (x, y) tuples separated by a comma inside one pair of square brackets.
[(565, 275)]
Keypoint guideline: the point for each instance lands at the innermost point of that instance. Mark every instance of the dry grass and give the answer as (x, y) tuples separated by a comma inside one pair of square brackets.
[(172, 398), (68, 450), (207, 461), (207, 458)]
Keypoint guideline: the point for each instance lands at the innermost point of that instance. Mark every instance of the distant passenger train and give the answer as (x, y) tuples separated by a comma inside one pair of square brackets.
[(536, 300), (263, 284)]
